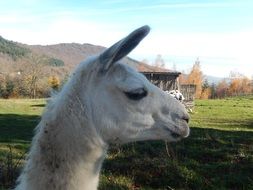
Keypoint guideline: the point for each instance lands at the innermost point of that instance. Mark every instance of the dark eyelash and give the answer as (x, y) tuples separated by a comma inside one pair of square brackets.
[(136, 94)]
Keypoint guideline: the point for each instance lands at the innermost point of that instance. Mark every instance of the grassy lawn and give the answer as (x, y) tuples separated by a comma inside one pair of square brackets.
[(217, 155)]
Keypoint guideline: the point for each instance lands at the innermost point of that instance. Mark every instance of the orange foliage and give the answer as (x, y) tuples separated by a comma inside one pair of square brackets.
[(206, 93), (54, 82), (239, 86), (195, 77), (236, 86), (183, 79)]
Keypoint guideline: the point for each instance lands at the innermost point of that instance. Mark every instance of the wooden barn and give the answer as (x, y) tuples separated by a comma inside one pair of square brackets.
[(164, 80), (161, 77), (168, 80)]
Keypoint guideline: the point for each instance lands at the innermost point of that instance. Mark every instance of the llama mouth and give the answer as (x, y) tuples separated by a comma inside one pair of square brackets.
[(173, 133), (178, 132)]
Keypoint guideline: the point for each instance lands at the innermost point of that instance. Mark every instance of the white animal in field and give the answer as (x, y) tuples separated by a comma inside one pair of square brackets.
[(176, 94), (105, 101)]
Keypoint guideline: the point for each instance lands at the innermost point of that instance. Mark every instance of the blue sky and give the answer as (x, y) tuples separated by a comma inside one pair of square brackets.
[(220, 32)]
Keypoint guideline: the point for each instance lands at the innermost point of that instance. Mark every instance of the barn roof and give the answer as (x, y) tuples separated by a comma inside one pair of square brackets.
[(162, 73), (143, 67), (149, 69)]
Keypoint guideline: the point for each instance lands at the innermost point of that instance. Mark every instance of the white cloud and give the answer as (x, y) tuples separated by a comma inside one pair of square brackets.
[(201, 44), (220, 52), (68, 26)]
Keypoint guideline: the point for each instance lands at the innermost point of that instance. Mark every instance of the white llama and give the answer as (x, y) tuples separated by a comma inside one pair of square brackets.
[(103, 102)]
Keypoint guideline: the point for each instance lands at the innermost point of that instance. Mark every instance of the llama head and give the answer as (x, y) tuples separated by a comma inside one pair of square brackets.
[(123, 105)]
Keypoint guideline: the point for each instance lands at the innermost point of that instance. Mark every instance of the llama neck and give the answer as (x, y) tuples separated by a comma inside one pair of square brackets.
[(63, 157)]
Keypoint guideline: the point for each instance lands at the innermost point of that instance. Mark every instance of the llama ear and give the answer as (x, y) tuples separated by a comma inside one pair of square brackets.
[(122, 47)]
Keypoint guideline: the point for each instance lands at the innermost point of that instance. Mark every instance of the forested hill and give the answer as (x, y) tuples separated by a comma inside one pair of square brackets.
[(66, 55), (59, 54), (12, 49), (63, 54)]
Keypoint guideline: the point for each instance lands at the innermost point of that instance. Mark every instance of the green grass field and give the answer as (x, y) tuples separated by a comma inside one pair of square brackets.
[(217, 155)]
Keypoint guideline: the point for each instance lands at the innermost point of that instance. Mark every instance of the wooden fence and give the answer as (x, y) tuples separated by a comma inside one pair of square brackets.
[(188, 91)]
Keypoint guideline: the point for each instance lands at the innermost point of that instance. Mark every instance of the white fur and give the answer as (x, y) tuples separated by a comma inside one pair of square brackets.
[(176, 94), (93, 111)]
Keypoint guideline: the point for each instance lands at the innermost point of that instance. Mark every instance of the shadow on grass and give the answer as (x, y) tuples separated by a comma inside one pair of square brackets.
[(229, 124), (17, 128), (38, 105), (208, 159), (16, 132)]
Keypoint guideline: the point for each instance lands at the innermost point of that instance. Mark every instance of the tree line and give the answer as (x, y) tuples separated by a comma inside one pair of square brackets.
[(33, 77), (236, 84), (37, 76)]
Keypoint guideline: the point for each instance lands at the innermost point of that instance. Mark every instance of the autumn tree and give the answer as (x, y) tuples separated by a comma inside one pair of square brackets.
[(246, 85), (196, 77), (183, 78), (159, 61), (222, 89), (240, 86), (206, 90), (235, 75), (54, 82), (234, 87), (9, 86), (33, 73)]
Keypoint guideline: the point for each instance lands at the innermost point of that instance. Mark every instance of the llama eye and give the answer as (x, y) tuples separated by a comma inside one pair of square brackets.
[(136, 94)]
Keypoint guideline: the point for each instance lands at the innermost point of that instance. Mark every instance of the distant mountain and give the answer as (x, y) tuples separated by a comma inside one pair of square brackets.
[(66, 55), (212, 79), (71, 54)]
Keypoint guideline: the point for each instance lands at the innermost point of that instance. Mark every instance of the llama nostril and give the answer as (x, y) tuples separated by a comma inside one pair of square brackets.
[(186, 119)]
